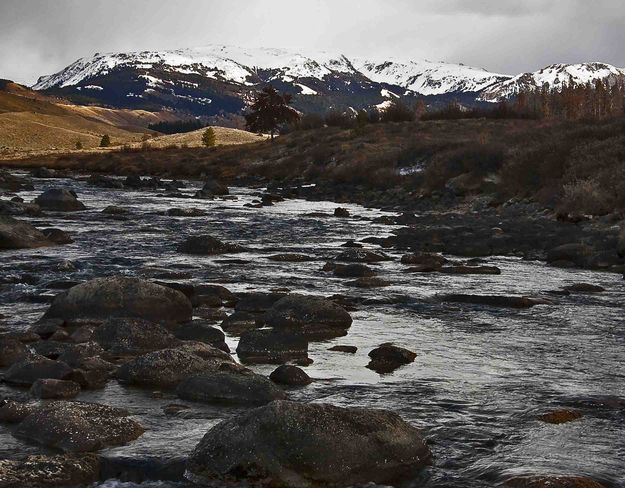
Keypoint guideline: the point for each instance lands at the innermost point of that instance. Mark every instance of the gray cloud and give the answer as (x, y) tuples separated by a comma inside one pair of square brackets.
[(42, 36)]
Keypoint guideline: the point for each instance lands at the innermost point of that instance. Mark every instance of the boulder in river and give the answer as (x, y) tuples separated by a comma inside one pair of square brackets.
[(59, 200), (54, 389), (353, 270), (121, 296), (257, 301), (355, 255), (208, 245), (346, 349), (341, 212), (168, 367), (267, 346), (369, 282), (239, 322), (388, 357), (15, 234), (11, 182), (212, 189), (287, 374), (78, 427), (198, 330), (226, 386), (561, 416), (50, 471), (57, 236), (291, 258), (11, 351), (286, 444), (125, 336), (32, 368), (434, 261), (310, 316), (115, 210)]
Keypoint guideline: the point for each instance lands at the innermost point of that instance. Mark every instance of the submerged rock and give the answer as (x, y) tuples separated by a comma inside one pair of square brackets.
[(491, 300), (49, 471), (353, 271), (553, 482), (121, 296), (584, 288), (388, 357), (230, 387), (78, 427), (59, 200), (54, 389), (481, 270), (313, 317), (287, 374), (560, 416), (369, 282), (434, 261), (15, 234), (208, 245), (57, 236), (347, 349), (267, 346), (288, 444), (239, 322), (186, 212), (291, 258)]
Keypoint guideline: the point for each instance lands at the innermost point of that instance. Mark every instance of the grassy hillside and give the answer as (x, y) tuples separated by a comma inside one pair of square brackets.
[(33, 124), (572, 167)]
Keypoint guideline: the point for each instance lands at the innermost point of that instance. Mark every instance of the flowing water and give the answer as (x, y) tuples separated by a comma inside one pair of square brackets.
[(481, 376)]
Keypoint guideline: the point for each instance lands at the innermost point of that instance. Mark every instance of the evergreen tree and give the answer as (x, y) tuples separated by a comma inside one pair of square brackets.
[(270, 111), (209, 139), (105, 141)]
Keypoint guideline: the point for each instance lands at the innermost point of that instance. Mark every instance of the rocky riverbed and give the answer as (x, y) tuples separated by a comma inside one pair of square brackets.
[(497, 370)]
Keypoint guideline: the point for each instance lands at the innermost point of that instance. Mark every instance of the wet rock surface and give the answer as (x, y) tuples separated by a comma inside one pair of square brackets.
[(59, 200), (120, 296), (49, 471), (295, 444), (78, 427), (483, 374)]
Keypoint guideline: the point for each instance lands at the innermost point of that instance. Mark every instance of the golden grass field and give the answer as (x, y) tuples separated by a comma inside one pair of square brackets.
[(32, 125)]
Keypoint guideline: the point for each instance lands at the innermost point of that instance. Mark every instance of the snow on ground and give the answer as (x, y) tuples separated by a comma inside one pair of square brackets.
[(306, 90)]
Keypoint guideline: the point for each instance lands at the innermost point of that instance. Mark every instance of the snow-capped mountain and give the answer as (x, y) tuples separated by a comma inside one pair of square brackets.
[(220, 80), (554, 76), (214, 79)]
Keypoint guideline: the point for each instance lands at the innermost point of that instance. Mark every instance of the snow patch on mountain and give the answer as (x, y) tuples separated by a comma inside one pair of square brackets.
[(555, 76)]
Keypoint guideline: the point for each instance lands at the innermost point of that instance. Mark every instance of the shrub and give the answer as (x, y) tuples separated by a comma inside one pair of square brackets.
[(105, 141), (79, 145), (397, 112), (584, 197), (310, 121), (339, 119), (209, 139)]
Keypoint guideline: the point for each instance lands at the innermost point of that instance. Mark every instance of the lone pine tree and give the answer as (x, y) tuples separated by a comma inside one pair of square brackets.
[(270, 111)]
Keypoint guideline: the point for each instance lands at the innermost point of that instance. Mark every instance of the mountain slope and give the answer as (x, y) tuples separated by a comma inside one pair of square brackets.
[(554, 76), (213, 80)]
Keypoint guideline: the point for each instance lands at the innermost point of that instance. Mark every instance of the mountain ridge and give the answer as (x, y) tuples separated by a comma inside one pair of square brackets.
[(218, 80)]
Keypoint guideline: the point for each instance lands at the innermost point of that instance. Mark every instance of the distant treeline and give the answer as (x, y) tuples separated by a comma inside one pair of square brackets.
[(177, 126)]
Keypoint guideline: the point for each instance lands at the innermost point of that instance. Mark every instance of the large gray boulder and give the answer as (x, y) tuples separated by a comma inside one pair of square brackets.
[(168, 367), (59, 200), (125, 336), (78, 427), (15, 234), (313, 317), (120, 296), (289, 444), (229, 386)]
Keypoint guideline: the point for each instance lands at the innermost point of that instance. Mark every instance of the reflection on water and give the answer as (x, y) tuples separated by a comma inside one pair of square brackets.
[(481, 375)]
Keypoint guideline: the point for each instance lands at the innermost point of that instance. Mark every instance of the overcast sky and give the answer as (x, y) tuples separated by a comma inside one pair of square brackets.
[(40, 37)]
